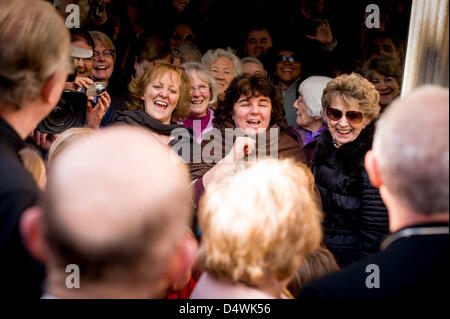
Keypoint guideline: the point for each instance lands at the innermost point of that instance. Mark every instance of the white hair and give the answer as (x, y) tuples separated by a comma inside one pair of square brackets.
[(411, 146), (311, 89), (212, 55), (205, 75), (250, 59)]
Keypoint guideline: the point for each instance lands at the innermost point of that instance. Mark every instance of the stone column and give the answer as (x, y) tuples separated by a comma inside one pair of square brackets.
[(428, 45)]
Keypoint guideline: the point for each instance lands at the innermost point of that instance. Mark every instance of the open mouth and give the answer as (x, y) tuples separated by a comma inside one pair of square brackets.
[(197, 102), (101, 67), (287, 70), (161, 105), (344, 132), (253, 123)]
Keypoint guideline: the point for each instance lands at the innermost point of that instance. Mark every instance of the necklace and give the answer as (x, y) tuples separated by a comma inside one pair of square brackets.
[(408, 232)]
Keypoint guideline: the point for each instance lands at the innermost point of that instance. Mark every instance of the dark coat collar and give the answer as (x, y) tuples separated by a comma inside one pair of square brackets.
[(9, 137), (347, 152)]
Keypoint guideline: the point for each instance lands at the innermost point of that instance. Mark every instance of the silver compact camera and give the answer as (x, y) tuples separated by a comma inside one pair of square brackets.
[(96, 89)]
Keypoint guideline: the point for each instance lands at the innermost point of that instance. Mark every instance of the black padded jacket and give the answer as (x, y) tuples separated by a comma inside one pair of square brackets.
[(356, 218)]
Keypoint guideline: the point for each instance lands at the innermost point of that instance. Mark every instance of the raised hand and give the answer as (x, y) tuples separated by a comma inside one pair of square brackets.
[(243, 145), (323, 32)]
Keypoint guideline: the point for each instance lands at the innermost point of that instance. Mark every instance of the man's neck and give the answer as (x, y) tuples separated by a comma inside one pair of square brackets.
[(22, 121), (401, 216)]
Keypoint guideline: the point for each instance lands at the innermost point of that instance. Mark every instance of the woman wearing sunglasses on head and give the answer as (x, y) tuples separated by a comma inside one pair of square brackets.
[(356, 218)]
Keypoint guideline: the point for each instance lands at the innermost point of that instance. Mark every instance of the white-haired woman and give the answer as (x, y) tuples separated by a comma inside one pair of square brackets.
[(310, 121), (203, 94), (224, 66)]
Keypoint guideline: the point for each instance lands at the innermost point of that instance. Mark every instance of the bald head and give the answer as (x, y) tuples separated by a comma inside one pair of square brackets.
[(411, 146), (116, 200)]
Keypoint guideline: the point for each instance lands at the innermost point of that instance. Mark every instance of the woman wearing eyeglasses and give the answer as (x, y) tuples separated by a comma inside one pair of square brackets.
[(203, 94), (102, 69), (356, 218)]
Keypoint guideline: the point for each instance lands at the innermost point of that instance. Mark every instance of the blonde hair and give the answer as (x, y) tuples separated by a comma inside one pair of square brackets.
[(353, 87), (138, 86), (100, 37), (33, 162), (316, 264), (65, 139), (35, 45), (258, 222)]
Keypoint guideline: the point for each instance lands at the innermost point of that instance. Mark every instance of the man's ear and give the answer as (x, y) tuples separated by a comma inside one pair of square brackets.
[(31, 232), (371, 165), (180, 265), (51, 90)]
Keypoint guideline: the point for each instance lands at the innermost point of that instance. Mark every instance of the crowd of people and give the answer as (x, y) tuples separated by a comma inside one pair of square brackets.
[(271, 166)]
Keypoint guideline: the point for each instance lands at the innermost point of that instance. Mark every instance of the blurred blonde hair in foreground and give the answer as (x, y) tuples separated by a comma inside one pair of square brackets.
[(33, 162), (65, 139), (258, 221)]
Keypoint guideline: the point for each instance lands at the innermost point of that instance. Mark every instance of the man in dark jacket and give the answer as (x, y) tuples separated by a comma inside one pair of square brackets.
[(411, 170), (33, 67)]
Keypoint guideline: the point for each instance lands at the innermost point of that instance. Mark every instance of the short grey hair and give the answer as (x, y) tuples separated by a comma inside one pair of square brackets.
[(212, 55), (205, 75), (312, 89), (411, 147), (35, 45), (250, 59)]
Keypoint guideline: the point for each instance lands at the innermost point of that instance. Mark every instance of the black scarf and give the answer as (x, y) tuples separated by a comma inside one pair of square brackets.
[(141, 118)]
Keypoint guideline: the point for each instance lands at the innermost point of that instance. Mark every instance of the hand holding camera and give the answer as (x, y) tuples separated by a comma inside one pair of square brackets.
[(96, 111)]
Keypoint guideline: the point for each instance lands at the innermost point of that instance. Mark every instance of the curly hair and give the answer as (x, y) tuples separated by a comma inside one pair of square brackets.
[(138, 86), (353, 87), (250, 85)]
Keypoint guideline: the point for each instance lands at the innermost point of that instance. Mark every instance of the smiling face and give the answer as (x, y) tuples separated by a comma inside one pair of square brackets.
[(200, 96), (84, 66), (103, 66), (223, 71), (252, 113), (342, 130), (288, 68), (161, 96), (387, 86)]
